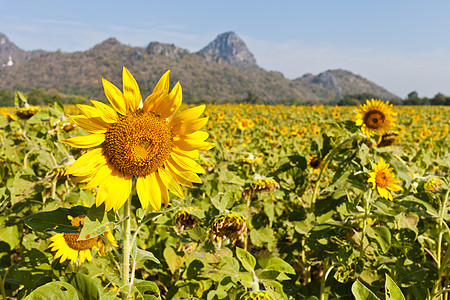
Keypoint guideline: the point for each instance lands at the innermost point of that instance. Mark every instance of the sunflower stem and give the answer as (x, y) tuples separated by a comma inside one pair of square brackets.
[(126, 241), (366, 213), (440, 265), (327, 160)]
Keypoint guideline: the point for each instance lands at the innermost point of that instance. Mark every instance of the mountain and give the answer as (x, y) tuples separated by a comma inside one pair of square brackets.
[(223, 70)]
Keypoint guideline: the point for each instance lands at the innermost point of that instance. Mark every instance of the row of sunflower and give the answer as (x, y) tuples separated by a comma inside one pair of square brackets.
[(129, 199)]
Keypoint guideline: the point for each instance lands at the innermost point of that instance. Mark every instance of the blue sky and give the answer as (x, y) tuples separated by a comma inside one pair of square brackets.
[(400, 45)]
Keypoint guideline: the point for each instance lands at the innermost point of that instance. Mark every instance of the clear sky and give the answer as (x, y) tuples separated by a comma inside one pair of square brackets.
[(402, 45)]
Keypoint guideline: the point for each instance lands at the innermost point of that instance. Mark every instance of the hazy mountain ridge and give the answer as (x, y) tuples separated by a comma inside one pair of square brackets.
[(223, 70)]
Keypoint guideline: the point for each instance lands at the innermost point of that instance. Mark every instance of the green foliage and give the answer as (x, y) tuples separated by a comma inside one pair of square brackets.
[(309, 232)]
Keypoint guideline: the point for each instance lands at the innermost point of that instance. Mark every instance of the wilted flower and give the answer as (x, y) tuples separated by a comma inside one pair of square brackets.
[(184, 220), (388, 139), (231, 227), (259, 295)]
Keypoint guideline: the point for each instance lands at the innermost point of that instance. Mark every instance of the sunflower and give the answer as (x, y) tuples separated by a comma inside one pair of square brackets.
[(68, 246), (375, 116), (148, 142), (384, 180)]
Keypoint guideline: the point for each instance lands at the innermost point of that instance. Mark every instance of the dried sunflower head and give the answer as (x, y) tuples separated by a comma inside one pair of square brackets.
[(230, 227)]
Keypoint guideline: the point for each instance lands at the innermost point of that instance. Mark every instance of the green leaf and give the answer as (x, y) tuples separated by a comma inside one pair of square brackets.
[(139, 255), (263, 236), (147, 290), (173, 260), (86, 286), (247, 260), (54, 290), (221, 201), (361, 292), (97, 221), (392, 291), (55, 220), (10, 235), (382, 235), (277, 264)]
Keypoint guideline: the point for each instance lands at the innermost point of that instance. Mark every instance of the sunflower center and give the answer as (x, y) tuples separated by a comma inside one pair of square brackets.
[(71, 241), (139, 143), (381, 179), (374, 119)]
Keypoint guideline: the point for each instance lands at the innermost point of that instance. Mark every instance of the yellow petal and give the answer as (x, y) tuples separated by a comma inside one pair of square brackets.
[(187, 115), (94, 125), (131, 90), (84, 160), (149, 191), (189, 126), (163, 188), (191, 154), (163, 84), (187, 175), (171, 183), (109, 115), (187, 163), (114, 191), (102, 174), (153, 101), (86, 141), (189, 145), (170, 105), (115, 97)]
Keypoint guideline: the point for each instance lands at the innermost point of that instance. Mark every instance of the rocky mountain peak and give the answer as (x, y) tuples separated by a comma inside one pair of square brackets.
[(169, 50), (9, 52), (329, 81), (230, 47)]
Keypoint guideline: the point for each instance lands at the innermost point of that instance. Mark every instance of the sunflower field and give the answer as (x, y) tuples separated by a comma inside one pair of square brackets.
[(155, 199)]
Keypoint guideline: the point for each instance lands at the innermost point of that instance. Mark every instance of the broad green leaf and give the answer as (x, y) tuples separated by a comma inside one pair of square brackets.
[(277, 264), (97, 221), (55, 220), (392, 291), (54, 290), (85, 285), (139, 255), (247, 260), (147, 290), (382, 235), (10, 235), (173, 260), (361, 292), (263, 236)]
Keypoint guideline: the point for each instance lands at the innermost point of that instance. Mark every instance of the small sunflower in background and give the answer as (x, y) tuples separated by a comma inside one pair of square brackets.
[(375, 117), (149, 142), (68, 247), (315, 163), (384, 180)]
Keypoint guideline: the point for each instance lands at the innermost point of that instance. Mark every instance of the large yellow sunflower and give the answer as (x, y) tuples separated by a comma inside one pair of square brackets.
[(68, 246), (384, 180), (375, 116), (148, 142)]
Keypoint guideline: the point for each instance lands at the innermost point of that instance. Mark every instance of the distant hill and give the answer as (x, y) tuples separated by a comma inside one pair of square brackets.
[(223, 70)]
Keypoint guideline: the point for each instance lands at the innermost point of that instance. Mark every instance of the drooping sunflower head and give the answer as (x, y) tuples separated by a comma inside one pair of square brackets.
[(148, 142), (375, 117), (67, 245), (230, 227), (384, 180), (388, 139)]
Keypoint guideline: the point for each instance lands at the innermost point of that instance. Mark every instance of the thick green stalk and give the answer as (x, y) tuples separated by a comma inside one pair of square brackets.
[(327, 160), (126, 240), (441, 266), (366, 214)]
